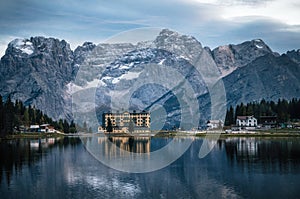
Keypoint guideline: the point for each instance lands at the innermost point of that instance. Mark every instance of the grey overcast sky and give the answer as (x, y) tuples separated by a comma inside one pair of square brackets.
[(212, 22)]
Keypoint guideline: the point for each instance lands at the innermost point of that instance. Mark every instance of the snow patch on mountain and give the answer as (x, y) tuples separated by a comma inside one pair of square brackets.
[(24, 45), (130, 75), (161, 62), (258, 46), (73, 88)]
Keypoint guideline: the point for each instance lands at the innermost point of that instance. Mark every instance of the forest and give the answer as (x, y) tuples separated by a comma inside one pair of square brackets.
[(13, 115), (284, 110)]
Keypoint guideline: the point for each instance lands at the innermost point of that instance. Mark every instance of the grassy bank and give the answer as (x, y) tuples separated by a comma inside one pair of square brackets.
[(261, 135), (32, 135)]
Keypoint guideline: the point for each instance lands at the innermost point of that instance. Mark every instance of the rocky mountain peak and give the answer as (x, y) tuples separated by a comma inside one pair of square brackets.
[(294, 55), (180, 45), (230, 57), (21, 46), (37, 46), (169, 37), (81, 51), (36, 71), (86, 46), (256, 46)]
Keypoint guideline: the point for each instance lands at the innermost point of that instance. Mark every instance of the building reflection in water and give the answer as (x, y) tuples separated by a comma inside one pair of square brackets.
[(126, 144), (271, 154), (44, 143), (241, 148), (247, 146)]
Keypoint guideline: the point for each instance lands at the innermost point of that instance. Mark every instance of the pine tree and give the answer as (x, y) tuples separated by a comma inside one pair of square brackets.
[(231, 115), (85, 128), (26, 117), (8, 116), (73, 127), (109, 127), (60, 125), (227, 122), (249, 109), (66, 127)]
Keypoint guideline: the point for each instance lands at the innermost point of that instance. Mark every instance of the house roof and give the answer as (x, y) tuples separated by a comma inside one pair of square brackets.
[(34, 126), (214, 121), (45, 125), (244, 117), (241, 117)]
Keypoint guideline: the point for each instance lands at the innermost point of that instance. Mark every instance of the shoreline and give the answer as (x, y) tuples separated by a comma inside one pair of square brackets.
[(31, 135), (281, 133)]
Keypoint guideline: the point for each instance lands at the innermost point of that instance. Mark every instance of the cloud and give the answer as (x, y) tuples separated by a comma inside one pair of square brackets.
[(285, 11), (279, 36), (233, 2), (213, 22)]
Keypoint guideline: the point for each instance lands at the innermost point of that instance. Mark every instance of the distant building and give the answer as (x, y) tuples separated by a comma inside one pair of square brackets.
[(44, 128), (268, 121), (246, 121), (214, 124), (34, 128), (121, 122)]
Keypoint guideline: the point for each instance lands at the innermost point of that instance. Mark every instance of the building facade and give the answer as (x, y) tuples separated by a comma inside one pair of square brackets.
[(246, 121), (214, 124), (268, 121), (122, 122)]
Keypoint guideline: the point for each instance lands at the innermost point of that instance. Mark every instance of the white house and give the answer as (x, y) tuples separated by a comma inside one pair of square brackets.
[(246, 121), (46, 128), (34, 128), (214, 124)]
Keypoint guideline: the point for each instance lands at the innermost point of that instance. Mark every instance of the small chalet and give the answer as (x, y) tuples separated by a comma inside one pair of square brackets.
[(34, 128), (268, 121), (214, 124), (46, 128), (246, 121)]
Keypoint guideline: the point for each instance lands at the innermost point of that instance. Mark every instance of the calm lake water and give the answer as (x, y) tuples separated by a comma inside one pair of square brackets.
[(235, 168)]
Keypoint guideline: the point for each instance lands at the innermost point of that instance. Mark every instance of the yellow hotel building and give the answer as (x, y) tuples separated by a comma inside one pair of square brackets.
[(120, 121)]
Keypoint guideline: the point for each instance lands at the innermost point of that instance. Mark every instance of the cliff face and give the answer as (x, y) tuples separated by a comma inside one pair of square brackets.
[(269, 77), (230, 57), (36, 71)]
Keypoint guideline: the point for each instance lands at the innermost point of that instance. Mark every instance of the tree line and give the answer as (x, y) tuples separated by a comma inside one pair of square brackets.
[(13, 115), (284, 110)]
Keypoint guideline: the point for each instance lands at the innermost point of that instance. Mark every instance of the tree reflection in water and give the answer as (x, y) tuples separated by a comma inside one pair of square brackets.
[(17, 153), (273, 154)]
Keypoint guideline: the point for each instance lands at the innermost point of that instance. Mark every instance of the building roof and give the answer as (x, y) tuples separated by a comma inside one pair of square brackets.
[(34, 126), (244, 117), (44, 125), (215, 121)]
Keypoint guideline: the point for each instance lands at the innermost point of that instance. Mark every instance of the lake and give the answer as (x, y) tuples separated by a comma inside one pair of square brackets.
[(237, 167)]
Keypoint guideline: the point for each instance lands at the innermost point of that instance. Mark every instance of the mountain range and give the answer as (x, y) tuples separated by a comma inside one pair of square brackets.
[(46, 73)]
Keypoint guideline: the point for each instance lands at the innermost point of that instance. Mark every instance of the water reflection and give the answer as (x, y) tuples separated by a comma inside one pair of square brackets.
[(131, 144), (17, 153), (236, 168), (133, 154), (276, 154)]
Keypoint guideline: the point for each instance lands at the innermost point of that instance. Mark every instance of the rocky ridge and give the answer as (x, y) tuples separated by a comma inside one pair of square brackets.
[(45, 72)]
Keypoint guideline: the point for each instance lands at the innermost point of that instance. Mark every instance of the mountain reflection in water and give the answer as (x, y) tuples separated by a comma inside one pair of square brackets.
[(235, 168)]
